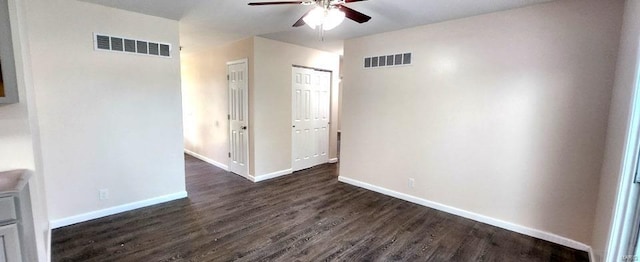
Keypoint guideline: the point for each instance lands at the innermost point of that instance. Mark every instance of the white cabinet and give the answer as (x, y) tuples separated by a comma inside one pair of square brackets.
[(3, 256), (9, 232), (17, 235), (9, 244), (7, 210)]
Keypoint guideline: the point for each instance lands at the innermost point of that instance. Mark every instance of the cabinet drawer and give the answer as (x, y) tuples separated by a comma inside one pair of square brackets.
[(7, 209)]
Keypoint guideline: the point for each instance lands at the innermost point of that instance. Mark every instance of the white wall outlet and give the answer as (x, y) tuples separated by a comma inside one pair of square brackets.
[(411, 182), (103, 194)]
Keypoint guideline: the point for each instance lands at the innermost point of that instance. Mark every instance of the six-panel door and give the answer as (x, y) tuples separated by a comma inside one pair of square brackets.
[(310, 118)]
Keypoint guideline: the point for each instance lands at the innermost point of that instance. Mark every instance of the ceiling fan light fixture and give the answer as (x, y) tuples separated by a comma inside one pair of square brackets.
[(320, 16), (334, 18), (314, 18)]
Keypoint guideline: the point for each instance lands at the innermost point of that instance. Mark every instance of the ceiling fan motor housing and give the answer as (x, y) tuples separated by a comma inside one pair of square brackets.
[(327, 5)]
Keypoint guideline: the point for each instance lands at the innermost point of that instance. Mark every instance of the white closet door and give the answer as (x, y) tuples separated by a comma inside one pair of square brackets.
[(310, 119), (238, 117)]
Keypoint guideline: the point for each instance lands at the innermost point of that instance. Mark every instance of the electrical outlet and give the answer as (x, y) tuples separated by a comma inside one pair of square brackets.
[(103, 194), (411, 182)]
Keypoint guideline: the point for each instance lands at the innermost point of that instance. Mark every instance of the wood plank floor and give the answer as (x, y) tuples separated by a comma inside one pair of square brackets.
[(307, 216)]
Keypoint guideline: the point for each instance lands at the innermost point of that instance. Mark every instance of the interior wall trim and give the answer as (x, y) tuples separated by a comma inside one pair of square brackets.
[(271, 175), (63, 222), (206, 159), (548, 236)]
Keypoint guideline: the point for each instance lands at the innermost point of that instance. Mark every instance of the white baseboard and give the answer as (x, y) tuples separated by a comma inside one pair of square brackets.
[(248, 177), (333, 160), (114, 210), (470, 215), (592, 256), (206, 159), (48, 244), (271, 175)]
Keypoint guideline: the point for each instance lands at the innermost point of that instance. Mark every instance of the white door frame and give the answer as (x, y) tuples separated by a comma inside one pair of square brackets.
[(328, 112), (245, 172), (628, 192)]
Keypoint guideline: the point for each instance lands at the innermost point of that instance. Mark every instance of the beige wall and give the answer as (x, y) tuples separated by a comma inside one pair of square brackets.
[(619, 116), (503, 115), (205, 97), (106, 120), (272, 100)]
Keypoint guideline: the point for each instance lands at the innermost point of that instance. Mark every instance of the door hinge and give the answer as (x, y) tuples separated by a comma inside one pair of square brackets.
[(229, 154), (228, 117), (227, 77)]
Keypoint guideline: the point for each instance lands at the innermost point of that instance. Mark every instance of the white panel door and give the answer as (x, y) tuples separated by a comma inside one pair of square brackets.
[(310, 119), (238, 117)]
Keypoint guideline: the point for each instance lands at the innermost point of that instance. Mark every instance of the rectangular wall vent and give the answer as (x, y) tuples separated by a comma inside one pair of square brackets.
[(130, 45), (103, 42), (387, 60)]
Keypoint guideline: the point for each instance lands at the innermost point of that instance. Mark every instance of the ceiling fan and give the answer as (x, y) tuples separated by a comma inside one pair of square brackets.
[(327, 14)]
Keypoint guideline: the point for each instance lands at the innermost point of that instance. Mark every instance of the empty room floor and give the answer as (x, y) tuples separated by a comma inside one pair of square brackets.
[(307, 216)]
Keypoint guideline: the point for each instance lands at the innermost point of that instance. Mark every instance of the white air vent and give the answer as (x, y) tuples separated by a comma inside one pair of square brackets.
[(103, 42), (387, 60)]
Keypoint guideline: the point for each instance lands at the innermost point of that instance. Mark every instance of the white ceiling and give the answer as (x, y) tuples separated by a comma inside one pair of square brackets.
[(215, 22)]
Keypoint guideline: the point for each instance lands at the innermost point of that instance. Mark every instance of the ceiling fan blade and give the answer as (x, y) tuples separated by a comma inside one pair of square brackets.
[(300, 21), (351, 1), (277, 3), (354, 15)]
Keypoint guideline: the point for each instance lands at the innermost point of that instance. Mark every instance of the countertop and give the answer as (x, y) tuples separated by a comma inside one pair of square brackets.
[(12, 182)]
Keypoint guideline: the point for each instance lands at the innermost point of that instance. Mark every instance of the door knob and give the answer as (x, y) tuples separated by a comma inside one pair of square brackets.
[(244, 127)]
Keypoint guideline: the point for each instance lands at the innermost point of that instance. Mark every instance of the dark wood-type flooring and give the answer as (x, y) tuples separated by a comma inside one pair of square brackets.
[(307, 216)]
